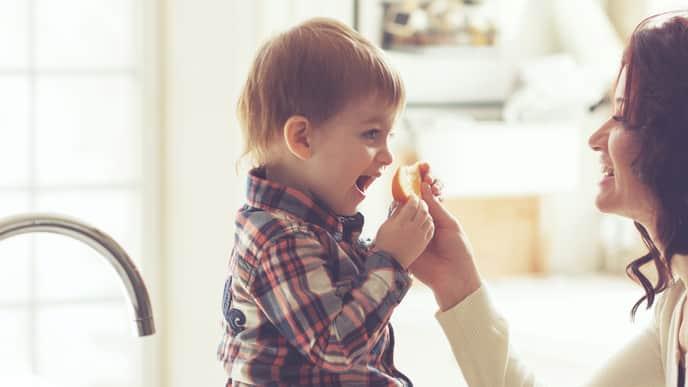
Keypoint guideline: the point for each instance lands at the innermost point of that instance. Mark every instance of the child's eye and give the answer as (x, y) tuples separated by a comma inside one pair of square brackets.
[(372, 134)]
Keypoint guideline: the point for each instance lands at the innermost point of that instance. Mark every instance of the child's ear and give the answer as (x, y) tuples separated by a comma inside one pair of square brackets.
[(297, 135)]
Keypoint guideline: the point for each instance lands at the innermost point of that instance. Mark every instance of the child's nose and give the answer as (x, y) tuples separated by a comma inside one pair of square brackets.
[(385, 156)]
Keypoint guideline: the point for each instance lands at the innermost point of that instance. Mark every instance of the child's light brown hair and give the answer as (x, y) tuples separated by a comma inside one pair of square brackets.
[(313, 70)]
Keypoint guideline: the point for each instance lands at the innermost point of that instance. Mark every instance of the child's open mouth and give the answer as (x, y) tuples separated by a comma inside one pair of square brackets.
[(363, 182)]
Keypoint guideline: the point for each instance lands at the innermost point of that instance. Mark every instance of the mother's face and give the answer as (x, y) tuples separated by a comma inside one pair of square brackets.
[(621, 191)]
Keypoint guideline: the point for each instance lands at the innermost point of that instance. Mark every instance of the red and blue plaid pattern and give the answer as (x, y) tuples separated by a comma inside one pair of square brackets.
[(306, 303)]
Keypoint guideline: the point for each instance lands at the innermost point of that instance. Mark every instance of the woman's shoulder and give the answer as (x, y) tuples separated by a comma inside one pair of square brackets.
[(671, 295), (665, 306)]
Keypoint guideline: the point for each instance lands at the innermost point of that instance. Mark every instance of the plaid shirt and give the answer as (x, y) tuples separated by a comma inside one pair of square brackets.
[(306, 303)]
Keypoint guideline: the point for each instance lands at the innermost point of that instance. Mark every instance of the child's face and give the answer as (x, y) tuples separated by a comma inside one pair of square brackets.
[(350, 151)]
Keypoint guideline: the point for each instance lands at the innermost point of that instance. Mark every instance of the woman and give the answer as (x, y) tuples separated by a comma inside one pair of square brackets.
[(644, 157)]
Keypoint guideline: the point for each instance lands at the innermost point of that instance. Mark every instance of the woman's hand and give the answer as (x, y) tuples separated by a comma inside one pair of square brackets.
[(446, 265)]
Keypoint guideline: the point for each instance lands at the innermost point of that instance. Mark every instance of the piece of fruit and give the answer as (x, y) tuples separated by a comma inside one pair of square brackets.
[(406, 181)]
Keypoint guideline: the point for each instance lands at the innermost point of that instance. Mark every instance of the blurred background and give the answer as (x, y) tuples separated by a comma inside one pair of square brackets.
[(121, 113)]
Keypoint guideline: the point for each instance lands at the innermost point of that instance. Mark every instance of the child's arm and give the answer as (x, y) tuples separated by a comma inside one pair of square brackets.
[(332, 324)]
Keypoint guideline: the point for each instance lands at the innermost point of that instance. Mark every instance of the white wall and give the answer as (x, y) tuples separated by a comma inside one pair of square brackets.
[(201, 192), (625, 14)]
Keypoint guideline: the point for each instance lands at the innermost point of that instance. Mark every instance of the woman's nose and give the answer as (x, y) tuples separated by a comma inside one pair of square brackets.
[(598, 139)]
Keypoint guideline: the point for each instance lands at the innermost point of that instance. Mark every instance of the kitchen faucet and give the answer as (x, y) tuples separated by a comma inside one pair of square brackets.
[(99, 241)]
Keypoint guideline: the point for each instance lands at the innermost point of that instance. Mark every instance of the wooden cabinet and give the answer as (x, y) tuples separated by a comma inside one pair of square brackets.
[(504, 233)]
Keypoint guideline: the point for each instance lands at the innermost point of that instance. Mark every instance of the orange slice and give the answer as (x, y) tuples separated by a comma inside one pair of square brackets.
[(406, 181)]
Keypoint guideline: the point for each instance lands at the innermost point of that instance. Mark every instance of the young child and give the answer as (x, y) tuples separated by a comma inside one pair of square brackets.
[(307, 303)]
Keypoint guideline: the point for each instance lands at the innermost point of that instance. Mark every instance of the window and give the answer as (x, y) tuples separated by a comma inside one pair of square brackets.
[(72, 138)]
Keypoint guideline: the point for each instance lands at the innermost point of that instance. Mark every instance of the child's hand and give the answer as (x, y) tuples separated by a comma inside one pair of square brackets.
[(407, 232)]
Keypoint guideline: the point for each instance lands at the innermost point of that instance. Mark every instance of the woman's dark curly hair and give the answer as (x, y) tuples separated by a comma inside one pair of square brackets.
[(656, 108)]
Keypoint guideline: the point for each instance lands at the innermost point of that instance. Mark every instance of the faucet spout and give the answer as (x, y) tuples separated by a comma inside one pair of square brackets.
[(99, 241)]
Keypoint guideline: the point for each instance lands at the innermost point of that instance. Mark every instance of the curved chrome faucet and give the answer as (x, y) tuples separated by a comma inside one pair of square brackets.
[(102, 243)]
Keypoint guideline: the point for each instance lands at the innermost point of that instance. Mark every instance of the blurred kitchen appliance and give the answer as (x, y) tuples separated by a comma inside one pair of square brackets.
[(448, 52)]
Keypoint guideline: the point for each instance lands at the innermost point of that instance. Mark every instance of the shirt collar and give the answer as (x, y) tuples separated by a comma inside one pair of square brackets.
[(269, 195)]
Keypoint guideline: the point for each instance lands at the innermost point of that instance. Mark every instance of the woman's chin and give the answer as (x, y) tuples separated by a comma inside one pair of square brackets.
[(611, 207), (604, 204)]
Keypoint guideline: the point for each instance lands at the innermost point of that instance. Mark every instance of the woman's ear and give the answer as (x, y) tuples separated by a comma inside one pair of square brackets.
[(298, 136)]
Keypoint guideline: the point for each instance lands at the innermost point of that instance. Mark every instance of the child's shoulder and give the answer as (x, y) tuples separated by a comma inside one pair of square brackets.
[(273, 226)]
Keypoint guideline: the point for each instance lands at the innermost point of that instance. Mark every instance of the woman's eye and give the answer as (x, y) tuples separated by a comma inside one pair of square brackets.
[(617, 118)]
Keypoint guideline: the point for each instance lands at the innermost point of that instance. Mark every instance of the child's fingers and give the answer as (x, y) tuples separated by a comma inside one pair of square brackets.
[(394, 209), (407, 210), (427, 222), (421, 211), (430, 233), (423, 214), (423, 207), (429, 228)]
